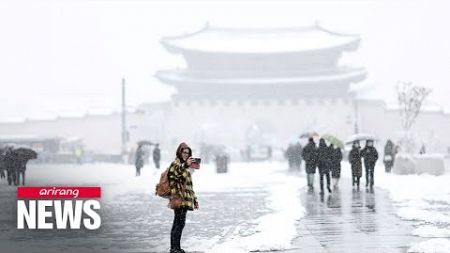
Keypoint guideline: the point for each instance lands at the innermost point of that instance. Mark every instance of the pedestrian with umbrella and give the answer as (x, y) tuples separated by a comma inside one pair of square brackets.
[(324, 164), (370, 155), (354, 158), (23, 155), (15, 161), (309, 154), (336, 157)]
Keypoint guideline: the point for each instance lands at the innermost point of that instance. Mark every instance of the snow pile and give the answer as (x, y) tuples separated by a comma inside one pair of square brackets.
[(424, 200), (431, 231), (275, 230), (419, 164), (431, 246)]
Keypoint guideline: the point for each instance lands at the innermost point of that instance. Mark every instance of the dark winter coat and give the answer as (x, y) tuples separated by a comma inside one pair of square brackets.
[(156, 154), (389, 151), (324, 158), (290, 153), (309, 154), (355, 160), (139, 162), (298, 153), (336, 163), (370, 155)]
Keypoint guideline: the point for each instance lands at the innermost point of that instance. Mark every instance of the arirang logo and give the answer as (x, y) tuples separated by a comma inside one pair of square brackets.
[(58, 207)]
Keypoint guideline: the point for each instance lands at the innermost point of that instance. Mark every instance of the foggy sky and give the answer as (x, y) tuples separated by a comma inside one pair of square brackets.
[(67, 57)]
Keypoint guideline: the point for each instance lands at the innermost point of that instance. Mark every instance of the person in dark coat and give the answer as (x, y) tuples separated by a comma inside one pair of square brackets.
[(15, 162), (389, 156), (336, 159), (139, 162), (370, 155), (10, 163), (423, 150), (290, 153), (309, 154), (2, 163), (324, 164), (297, 156), (354, 158), (156, 156)]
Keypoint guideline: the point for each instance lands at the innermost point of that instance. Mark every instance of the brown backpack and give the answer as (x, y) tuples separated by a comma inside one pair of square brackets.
[(162, 188)]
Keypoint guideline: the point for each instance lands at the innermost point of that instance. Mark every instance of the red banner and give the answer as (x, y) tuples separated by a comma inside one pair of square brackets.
[(58, 192)]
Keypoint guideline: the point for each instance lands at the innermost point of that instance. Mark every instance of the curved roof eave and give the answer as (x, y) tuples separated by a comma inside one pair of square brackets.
[(356, 75), (169, 42), (351, 46)]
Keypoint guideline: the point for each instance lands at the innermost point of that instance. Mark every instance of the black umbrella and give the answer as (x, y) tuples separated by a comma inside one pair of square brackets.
[(26, 153), (144, 142)]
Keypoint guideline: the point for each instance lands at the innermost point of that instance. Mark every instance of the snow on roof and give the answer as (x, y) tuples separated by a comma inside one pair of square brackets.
[(261, 40), (183, 77)]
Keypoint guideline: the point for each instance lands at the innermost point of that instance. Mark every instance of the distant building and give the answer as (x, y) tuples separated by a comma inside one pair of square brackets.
[(250, 86)]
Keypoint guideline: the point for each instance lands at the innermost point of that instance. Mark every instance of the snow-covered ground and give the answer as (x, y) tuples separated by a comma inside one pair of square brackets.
[(424, 200), (274, 230)]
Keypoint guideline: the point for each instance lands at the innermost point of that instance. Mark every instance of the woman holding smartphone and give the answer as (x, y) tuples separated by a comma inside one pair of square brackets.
[(183, 197)]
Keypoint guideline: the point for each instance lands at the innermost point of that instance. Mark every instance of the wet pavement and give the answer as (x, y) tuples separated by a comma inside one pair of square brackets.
[(351, 220), (134, 220)]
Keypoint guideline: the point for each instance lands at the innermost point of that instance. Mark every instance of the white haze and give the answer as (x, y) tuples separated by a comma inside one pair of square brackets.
[(66, 57)]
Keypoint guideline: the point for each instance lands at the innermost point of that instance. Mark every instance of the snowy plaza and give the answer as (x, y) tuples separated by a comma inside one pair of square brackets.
[(255, 207)]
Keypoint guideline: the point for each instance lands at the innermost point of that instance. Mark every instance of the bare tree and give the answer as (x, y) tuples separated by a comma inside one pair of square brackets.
[(410, 99)]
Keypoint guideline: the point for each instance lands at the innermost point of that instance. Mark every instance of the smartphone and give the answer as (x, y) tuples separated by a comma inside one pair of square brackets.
[(196, 163)]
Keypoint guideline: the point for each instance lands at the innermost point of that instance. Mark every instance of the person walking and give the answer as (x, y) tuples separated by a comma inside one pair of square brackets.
[(336, 159), (156, 156), (324, 164), (298, 156), (289, 154), (354, 158), (309, 154), (139, 161), (389, 156), (182, 197), (370, 155), (2, 164)]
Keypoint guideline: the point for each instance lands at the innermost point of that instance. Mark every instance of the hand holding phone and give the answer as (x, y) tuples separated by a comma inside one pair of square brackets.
[(196, 163)]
